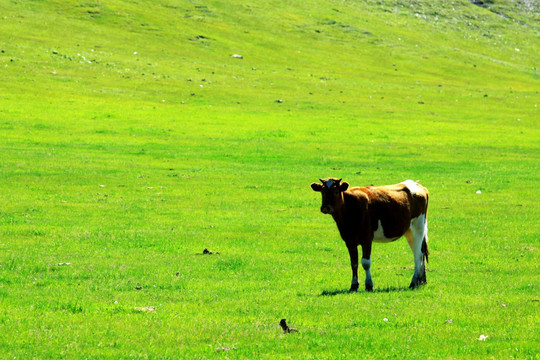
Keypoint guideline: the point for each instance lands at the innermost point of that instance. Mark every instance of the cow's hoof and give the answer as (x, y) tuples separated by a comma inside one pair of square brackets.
[(416, 285), (369, 285), (354, 288)]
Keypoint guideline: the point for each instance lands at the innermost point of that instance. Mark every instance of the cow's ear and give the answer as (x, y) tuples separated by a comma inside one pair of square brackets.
[(344, 186), (316, 187)]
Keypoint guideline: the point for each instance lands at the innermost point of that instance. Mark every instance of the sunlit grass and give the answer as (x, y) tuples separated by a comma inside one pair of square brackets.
[(119, 170)]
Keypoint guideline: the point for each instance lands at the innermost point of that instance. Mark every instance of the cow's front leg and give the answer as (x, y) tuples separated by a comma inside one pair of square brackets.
[(366, 264), (353, 253)]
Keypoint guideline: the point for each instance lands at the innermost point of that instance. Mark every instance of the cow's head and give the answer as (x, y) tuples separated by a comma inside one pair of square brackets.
[(331, 190)]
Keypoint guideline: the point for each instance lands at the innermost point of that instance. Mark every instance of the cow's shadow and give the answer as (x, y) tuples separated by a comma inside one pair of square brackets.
[(388, 289)]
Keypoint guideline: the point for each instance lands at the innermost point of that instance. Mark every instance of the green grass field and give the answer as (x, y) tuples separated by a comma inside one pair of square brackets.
[(131, 140)]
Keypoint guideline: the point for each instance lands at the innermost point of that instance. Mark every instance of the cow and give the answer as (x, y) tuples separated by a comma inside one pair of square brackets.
[(383, 214)]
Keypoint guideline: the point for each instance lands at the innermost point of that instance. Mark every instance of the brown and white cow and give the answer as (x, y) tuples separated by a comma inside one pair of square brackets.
[(381, 214)]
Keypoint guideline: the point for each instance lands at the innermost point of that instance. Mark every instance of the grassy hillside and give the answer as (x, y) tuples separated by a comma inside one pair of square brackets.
[(132, 139)]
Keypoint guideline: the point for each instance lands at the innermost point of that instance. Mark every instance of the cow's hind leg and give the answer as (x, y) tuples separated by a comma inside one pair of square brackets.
[(417, 239)]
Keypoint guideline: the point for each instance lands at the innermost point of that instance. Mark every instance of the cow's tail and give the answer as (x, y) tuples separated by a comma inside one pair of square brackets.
[(425, 250)]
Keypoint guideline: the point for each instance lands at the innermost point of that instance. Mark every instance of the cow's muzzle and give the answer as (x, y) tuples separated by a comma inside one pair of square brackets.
[(325, 209)]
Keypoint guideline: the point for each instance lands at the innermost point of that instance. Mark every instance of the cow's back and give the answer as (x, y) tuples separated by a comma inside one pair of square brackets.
[(394, 206)]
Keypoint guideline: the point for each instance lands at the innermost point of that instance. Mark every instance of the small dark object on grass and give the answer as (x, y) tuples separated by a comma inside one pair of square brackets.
[(285, 327), (209, 252)]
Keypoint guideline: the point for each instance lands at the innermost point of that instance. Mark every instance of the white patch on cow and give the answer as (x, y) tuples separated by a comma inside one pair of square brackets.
[(329, 183), (418, 224), (378, 235), (366, 264), (412, 186)]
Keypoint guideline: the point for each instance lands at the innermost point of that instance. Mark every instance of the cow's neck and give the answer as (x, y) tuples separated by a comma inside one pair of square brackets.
[(339, 213), (348, 227)]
